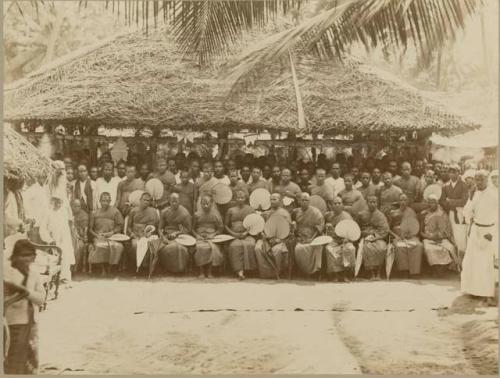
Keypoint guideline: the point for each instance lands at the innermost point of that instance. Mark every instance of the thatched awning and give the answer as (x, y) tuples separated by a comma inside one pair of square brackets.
[(21, 158), (136, 80)]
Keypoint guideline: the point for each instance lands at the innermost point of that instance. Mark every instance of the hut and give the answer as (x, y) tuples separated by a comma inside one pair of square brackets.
[(143, 82)]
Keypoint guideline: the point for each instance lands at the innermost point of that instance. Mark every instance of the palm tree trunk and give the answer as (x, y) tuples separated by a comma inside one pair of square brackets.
[(300, 109)]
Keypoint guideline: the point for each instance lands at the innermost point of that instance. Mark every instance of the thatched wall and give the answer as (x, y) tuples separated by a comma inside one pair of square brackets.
[(137, 80), (21, 158)]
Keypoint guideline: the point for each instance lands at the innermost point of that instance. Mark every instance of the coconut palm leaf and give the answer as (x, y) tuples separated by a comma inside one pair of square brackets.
[(427, 24)]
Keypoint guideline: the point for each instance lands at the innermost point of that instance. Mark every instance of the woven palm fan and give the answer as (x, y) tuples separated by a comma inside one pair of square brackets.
[(277, 227), (319, 203), (348, 229), (119, 237), (155, 188), (185, 240), (260, 198), (359, 206), (135, 197), (223, 194), (254, 223), (222, 238), (287, 201), (322, 240), (432, 189), (409, 226)]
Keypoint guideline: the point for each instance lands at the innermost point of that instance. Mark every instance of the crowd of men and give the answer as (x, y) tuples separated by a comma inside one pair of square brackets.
[(85, 205)]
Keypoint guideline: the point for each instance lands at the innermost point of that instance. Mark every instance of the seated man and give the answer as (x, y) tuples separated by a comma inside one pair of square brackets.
[(207, 224), (105, 222), (437, 237), (340, 254), (241, 250), (309, 224), (138, 218), (407, 246), (374, 231), (174, 220), (272, 253)]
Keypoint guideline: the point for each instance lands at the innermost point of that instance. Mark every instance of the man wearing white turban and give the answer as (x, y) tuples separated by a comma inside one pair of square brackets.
[(479, 274)]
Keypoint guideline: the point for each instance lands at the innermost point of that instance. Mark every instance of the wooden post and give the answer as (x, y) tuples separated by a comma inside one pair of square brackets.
[(153, 145), (223, 143), (292, 149), (93, 132)]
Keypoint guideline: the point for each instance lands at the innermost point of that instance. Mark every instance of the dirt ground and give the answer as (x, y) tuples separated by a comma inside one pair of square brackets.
[(221, 326)]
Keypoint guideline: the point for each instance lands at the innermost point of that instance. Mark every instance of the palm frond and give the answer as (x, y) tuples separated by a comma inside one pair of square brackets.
[(428, 24)]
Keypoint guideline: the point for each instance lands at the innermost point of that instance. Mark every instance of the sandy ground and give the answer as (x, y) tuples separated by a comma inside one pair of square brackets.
[(221, 326)]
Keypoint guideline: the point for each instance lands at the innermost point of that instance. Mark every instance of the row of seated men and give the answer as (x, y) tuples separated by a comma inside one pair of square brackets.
[(267, 257)]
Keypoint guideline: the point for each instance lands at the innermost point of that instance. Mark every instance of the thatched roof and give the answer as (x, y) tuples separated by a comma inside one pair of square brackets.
[(21, 158), (143, 81)]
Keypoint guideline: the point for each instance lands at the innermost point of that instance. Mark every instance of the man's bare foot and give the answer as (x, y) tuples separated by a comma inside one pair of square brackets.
[(241, 276), (210, 275), (201, 276)]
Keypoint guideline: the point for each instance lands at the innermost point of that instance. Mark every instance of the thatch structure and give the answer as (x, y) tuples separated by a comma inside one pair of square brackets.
[(143, 81), (21, 159)]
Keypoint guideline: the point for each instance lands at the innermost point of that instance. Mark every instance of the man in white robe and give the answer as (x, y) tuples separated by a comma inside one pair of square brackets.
[(55, 229), (479, 273)]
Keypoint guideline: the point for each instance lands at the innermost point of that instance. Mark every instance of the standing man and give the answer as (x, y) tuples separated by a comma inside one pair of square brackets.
[(85, 190), (393, 169), (304, 181), (409, 184), (335, 181), (377, 178), (107, 183), (219, 173), (287, 187), (321, 188), (94, 173), (275, 179), (479, 274), (351, 196), (126, 187), (367, 189), (453, 199), (389, 194), (168, 180), (187, 192), (121, 170), (257, 181), (36, 201)]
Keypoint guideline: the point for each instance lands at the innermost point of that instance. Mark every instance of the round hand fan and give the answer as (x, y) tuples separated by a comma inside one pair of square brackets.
[(135, 197), (322, 240), (223, 194), (277, 227), (254, 223), (319, 203), (260, 198), (155, 187), (348, 229)]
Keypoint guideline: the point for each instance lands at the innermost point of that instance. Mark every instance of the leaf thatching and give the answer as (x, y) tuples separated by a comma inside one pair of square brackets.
[(138, 80), (21, 158)]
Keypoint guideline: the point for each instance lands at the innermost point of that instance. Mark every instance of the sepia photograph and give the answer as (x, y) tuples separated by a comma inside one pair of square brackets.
[(210, 187)]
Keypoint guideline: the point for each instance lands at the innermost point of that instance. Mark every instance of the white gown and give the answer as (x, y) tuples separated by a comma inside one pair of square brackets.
[(56, 227), (479, 274)]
